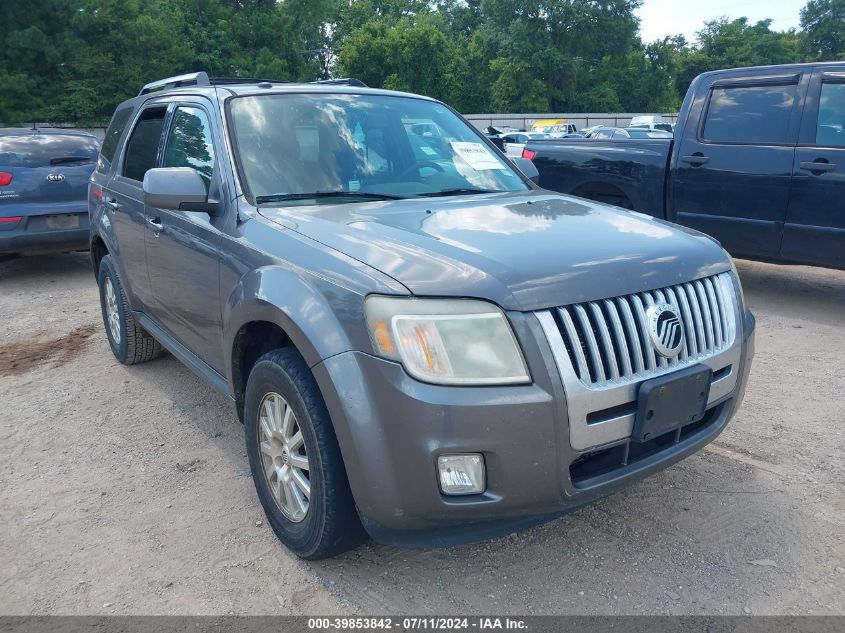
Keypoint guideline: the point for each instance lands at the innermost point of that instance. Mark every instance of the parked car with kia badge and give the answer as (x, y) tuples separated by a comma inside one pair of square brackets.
[(43, 189)]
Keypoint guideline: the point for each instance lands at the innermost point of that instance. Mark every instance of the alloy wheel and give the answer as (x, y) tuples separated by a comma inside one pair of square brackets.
[(283, 456), (112, 314)]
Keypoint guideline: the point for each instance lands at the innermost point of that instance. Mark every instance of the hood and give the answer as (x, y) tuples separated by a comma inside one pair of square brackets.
[(521, 250)]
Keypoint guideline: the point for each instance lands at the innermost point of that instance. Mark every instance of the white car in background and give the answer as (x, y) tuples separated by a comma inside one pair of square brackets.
[(651, 122), (515, 142)]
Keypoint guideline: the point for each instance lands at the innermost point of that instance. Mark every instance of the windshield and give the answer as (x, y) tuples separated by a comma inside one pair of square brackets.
[(45, 150), (294, 144)]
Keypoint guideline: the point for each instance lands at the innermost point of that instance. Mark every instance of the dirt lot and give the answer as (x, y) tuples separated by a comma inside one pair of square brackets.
[(127, 489)]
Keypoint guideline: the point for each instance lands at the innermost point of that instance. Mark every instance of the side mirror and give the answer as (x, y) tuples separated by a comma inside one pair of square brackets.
[(176, 188), (528, 168)]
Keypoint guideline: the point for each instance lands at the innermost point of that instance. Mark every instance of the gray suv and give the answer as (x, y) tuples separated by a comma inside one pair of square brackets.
[(423, 345)]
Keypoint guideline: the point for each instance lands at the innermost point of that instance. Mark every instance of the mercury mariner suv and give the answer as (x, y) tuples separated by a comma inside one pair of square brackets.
[(423, 345)]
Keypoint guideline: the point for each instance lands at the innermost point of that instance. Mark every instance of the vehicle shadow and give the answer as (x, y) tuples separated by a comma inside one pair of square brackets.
[(32, 269), (799, 292)]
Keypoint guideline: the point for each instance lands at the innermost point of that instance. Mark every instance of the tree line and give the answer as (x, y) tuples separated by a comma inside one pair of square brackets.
[(74, 60)]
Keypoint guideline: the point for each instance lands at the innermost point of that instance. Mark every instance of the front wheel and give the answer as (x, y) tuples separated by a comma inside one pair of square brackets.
[(295, 459)]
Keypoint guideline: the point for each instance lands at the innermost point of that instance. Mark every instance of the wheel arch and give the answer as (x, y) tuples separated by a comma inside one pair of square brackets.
[(99, 249), (258, 317)]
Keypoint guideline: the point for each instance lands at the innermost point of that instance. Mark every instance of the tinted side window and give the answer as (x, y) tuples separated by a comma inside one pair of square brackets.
[(113, 134), (753, 114), (143, 144), (189, 142), (831, 126)]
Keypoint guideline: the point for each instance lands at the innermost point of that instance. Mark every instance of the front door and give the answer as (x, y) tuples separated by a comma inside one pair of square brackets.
[(733, 169), (183, 246), (814, 232)]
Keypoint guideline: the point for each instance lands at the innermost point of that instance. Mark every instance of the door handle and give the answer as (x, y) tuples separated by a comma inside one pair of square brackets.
[(696, 160), (817, 167), (155, 225), (112, 204)]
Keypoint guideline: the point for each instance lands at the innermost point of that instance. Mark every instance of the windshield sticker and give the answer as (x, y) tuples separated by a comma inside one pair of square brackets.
[(476, 155)]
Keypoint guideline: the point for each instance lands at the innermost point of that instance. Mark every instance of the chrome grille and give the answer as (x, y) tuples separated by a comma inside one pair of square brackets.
[(607, 341)]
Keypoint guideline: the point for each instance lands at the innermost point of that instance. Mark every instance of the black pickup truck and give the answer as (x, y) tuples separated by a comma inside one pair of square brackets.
[(758, 162)]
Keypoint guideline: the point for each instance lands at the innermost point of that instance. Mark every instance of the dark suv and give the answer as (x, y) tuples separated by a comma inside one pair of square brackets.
[(43, 182), (419, 341)]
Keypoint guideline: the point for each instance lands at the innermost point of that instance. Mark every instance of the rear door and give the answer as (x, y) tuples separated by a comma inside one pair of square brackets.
[(814, 232), (733, 164), (124, 199), (183, 246), (46, 174)]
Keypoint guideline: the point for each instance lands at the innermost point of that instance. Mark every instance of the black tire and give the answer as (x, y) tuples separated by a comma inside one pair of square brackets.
[(331, 524), (135, 344)]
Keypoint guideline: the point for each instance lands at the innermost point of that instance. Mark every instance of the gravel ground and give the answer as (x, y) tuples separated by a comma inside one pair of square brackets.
[(127, 489)]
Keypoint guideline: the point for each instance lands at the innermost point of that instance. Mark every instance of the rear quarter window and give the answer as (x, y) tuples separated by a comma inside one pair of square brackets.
[(46, 150), (750, 114)]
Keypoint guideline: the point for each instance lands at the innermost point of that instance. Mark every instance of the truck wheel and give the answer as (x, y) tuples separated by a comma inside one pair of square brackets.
[(295, 459), (129, 342)]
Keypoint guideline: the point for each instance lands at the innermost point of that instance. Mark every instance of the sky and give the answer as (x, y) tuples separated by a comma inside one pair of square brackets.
[(659, 18)]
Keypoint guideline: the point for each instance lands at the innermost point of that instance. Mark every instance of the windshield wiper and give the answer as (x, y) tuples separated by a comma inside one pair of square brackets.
[(457, 192), (66, 160), (316, 195)]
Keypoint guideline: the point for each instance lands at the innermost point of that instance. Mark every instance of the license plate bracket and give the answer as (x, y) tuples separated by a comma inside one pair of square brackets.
[(63, 222), (671, 401)]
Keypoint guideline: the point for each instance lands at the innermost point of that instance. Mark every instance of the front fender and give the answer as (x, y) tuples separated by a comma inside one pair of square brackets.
[(298, 305)]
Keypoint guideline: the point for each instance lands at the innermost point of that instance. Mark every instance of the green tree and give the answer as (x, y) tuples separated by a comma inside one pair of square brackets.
[(736, 43), (823, 22), (74, 60), (412, 55)]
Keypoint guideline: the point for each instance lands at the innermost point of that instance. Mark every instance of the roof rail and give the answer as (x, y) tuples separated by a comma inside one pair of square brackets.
[(202, 79), (191, 79), (346, 81), (222, 81)]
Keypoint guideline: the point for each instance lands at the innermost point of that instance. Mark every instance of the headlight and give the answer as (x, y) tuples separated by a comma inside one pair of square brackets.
[(737, 282), (447, 341)]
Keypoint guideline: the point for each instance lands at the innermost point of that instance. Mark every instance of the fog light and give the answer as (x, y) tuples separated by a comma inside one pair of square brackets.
[(461, 474)]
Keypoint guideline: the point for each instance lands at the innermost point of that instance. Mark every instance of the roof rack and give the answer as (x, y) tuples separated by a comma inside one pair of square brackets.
[(191, 79), (346, 81), (223, 81), (202, 79)]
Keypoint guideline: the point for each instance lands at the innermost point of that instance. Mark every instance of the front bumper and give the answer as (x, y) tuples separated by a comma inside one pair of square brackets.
[(391, 429), (33, 234)]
